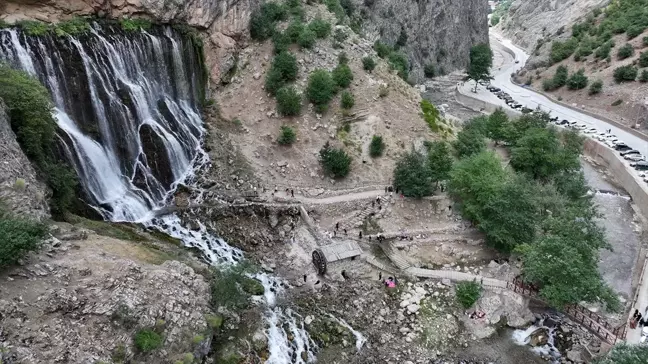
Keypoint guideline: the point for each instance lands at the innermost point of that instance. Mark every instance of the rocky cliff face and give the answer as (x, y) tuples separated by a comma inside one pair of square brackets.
[(529, 21), (20, 191), (439, 32)]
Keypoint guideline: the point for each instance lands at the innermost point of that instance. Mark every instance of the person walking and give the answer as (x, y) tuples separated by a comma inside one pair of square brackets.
[(292, 193), (337, 225), (360, 235), (345, 232)]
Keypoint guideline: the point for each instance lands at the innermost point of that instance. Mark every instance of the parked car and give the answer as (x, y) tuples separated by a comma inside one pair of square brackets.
[(590, 131), (621, 146), (554, 119), (634, 157), (628, 152), (640, 166), (564, 122), (526, 110)]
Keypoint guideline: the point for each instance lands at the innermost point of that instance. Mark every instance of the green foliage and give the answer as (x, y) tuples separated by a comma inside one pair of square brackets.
[(376, 147), (336, 8), (294, 29), (439, 161), (625, 51), (30, 112), (19, 236), (135, 24), (625, 73), (481, 60), (343, 58), (281, 42), (231, 286), (634, 31), (348, 7), (402, 38), (412, 175), (340, 36), (562, 50), (429, 70), (214, 321), (469, 142), (382, 49), (321, 89), (321, 28), (604, 50), (147, 340), (643, 77), (33, 28), (431, 115), (625, 354), (264, 19), (368, 64), (335, 162), (74, 26), (643, 59), (501, 11), (342, 75), (644, 41), (119, 354), (468, 293), (398, 61), (561, 76), (540, 154), (306, 39), (289, 101), (498, 125), (495, 19), (578, 80), (596, 87), (283, 69), (347, 100), (287, 136)]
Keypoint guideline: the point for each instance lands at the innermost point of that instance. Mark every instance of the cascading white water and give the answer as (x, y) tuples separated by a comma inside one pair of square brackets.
[(549, 350), (360, 339)]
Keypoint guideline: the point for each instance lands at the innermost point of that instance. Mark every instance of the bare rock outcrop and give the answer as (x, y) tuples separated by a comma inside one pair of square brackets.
[(20, 190)]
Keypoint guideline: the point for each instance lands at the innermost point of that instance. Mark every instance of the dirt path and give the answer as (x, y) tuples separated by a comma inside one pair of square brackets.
[(330, 200)]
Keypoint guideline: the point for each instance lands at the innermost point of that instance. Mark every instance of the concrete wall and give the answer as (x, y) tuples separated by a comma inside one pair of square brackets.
[(479, 105), (622, 172)]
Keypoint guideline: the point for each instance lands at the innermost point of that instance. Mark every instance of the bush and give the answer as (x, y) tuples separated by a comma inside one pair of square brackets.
[(368, 64), (74, 26), (382, 49), (376, 147), (263, 20), (578, 80), (135, 24), (643, 59), (561, 76), (321, 28), (19, 237), (548, 85), (468, 293), (340, 35), (596, 87), (343, 58), (295, 28), (147, 340), (429, 70), (30, 114), (347, 101), (342, 75), (398, 61), (562, 50), (412, 175), (288, 101), (283, 69), (617, 102), (306, 39), (281, 42), (287, 136), (644, 40), (321, 89), (469, 142), (644, 76), (626, 51), (335, 162), (604, 50), (625, 73), (634, 31)]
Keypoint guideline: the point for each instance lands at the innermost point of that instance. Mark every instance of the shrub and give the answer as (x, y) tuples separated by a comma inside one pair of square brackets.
[(625, 73), (634, 31), (347, 101), (119, 354), (263, 20), (274, 81), (644, 40), (578, 80), (281, 42), (321, 28), (288, 101), (429, 70), (33, 27), (604, 50), (561, 76), (287, 136), (147, 340), (548, 85), (383, 90), (412, 175), (348, 7), (335, 162), (214, 321), (382, 49), (562, 50), (306, 38), (343, 58), (398, 61), (643, 59), (74, 26), (135, 24), (644, 76), (321, 89), (295, 28), (626, 51), (617, 102), (283, 69), (19, 237), (468, 293), (340, 35), (402, 38), (596, 87), (30, 114), (342, 75), (368, 64), (334, 7), (376, 147)]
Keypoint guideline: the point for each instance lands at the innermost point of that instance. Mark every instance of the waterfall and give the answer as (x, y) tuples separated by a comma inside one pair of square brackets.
[(127, 106), (127, 109)]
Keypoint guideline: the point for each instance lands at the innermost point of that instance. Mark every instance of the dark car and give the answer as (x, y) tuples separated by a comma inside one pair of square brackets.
[(640, 166), (564, 122), (526, 110), (631, 151), (622, 146)]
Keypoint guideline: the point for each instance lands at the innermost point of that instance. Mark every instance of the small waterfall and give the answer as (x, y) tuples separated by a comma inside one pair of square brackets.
[(548, 350), (360, 339)]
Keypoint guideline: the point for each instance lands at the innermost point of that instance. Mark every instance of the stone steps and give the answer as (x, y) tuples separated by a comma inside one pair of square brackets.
[(353, 222), (396, 258)]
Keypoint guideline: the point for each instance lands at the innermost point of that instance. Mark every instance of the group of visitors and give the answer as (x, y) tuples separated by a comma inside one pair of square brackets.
[(638, 320)]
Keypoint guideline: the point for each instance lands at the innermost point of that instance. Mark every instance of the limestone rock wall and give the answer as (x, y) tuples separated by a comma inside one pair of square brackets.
[(20, 191), (439, 32)]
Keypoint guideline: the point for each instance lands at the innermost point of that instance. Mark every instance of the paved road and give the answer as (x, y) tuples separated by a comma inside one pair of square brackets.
[(634, 335), (505, 64)]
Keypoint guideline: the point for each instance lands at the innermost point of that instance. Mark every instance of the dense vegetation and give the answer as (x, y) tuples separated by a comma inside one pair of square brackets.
[(397, 61), (417, 176), (376, 147), (468, 293), (287, 136), (625, 354), (30, 112), (500, 11), (539, 209), (19, 236), (335, 162)]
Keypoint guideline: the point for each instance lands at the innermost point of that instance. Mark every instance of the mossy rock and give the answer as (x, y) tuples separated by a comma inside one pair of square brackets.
[(214, 321), (327, 332), (252, 286)]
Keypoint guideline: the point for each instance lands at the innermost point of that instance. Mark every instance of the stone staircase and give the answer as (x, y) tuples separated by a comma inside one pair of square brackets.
[(357, 220), (396, 258)]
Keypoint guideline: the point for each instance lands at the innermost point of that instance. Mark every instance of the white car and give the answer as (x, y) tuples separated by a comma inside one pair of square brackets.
[(601, 137), (581, 126), (634, 157), (572, 124), (591, 131)]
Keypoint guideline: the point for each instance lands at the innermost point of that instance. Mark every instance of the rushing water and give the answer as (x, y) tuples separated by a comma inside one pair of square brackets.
[(127, 108)]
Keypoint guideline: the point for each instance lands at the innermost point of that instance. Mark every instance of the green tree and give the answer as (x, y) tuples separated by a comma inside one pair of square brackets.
[(342, 75), (562, 50), (468, 293), (335, 162), (147, 340), (19, 236), (321, 89), (578, 80), (643, 77), (320, 27), (625, 73), (287, 136), (481, 60), (625, 51), (476, 180), (382, 49), (263, 20), (398, 61), (347, 100), (540, 154), (412, 175), (306, 39), (469, 142), (439, 161), (377, 146), (368, 64), (497, 125), (282, 70), (429, 70), (560, 77), (643, 59), (596, 87), (343, 58), (289, 101), (295, 28), (625, 354)]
